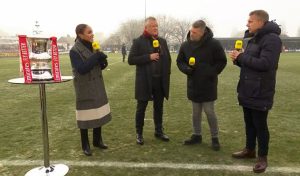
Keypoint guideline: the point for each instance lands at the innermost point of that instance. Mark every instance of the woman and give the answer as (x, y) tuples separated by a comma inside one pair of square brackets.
[(92, 108)]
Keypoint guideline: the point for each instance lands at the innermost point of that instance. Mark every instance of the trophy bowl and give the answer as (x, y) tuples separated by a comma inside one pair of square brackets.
[(40, 59)]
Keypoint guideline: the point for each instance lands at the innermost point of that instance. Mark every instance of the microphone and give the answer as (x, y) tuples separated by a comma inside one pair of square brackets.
[(96, 46), (155, 44), (238, 45), (192, 61)]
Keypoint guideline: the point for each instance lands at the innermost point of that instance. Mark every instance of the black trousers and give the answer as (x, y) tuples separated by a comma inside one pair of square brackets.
[(124, 55), (257, 128), (97, 136), (158, 101)]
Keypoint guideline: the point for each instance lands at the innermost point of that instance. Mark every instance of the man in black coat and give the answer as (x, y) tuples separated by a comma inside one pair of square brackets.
[(152, 58), (202, 58), (256, 87)]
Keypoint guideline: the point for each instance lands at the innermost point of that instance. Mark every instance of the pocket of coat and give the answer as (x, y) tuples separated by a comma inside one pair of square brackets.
[(252, 87), (85, 92)]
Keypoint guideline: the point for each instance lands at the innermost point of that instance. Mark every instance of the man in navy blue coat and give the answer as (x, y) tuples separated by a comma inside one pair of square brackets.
[(256, 88)]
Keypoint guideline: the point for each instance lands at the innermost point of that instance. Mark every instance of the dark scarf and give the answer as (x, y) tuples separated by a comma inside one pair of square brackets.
[(83, 48), (151, 38), (87, 44)]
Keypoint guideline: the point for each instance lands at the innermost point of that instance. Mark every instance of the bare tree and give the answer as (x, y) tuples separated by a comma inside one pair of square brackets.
[(130, 30), (173, 30), (127, 31), (112, 42), (180, 30), (166, 25)]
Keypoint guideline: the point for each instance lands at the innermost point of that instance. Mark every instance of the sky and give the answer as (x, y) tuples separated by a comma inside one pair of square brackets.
[(60, 17)]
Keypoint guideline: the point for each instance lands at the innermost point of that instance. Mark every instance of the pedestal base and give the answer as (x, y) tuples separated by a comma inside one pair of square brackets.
[(53, 170)]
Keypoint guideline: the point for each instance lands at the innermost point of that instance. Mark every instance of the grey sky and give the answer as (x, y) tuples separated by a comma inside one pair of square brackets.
[(58, 17)]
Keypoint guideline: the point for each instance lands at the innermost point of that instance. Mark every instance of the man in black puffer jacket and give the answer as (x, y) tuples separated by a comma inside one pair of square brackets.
[(202, 58), (256, 87)]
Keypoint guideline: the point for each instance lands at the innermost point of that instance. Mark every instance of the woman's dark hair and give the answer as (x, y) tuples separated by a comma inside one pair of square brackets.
[(79, 30)]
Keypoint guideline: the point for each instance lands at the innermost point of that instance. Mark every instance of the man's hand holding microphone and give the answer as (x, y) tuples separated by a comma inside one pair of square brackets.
[(238, 49)]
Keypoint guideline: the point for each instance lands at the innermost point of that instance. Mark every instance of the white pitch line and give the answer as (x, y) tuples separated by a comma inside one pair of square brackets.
[(240, 168)]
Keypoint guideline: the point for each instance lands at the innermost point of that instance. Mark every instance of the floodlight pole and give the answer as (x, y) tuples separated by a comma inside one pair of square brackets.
[(145, 9)]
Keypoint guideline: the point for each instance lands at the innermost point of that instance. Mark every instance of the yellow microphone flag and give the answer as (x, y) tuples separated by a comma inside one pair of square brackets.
[(192, 61), (238, 45), (96, 46), (155, 43)]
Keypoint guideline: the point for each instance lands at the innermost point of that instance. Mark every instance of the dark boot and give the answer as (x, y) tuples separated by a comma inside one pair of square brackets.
[(161, 135), (139, 139), (245, 153), (85, 145), (195, 139), (97, 139), (139, 136), (215, 145), (261, 164)]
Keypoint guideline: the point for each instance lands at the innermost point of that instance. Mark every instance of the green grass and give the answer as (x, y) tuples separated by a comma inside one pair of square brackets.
[(20, 131)]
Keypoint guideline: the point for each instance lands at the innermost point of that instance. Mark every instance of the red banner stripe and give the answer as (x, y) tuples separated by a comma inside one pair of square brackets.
[(25, 58), (55, 60)]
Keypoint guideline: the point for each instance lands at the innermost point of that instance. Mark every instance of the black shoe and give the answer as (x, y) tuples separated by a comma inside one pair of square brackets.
[(139, 139), (87, 151), (100, 145), (162, 136), (215, 145), (195, 139)]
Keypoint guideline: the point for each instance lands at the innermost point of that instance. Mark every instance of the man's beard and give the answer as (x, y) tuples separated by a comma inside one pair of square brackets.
[(194, 39)]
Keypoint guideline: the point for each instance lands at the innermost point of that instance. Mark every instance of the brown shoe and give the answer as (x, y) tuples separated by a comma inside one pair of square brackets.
[(260, 165), (245, 153)]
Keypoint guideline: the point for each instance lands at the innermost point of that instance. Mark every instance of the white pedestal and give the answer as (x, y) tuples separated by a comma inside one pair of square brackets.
[(53, 170)]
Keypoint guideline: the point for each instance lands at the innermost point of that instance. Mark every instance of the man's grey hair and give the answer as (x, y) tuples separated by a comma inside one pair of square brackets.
[(199, 24), (261, 15), (151, 18)]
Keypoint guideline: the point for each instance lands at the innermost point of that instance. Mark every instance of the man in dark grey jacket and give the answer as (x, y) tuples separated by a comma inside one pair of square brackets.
[(151, 56), (202, 58), (256, 87)]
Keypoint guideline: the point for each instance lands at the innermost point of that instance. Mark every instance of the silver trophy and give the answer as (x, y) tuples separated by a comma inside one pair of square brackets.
[(40, 59)]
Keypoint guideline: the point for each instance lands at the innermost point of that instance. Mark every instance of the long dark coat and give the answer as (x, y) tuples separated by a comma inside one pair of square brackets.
[(92, 107), (139, 56)]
